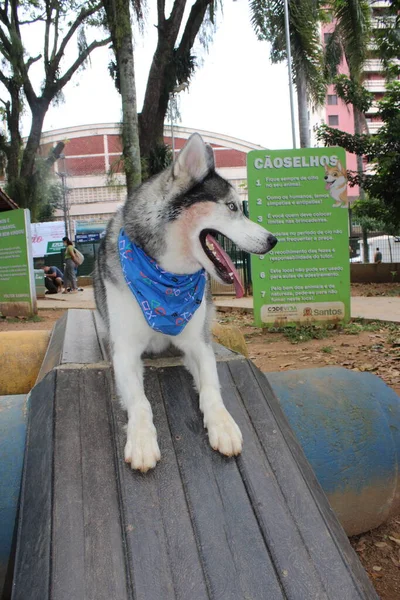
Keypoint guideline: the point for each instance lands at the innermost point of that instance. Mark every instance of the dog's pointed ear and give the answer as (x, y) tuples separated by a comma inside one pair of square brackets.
[(195, 160), (339, 166)]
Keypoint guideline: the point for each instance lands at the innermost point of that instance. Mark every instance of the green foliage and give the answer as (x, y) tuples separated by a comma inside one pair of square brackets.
[(382, 183), (327, 349), (45, 193), (159, 159), (352, 92), (387, 38), (303, 333), (60, 25), (267, 17), (352, 33)]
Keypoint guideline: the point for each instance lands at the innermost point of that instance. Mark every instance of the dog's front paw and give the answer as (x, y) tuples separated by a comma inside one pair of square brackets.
[(223, 433), (141, 449)]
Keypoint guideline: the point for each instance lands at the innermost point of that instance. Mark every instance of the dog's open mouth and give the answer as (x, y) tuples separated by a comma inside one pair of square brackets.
[(328, 184), (221, 261)]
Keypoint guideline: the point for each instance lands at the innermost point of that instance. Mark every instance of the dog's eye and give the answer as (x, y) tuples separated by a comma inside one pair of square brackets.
[(232, 206)]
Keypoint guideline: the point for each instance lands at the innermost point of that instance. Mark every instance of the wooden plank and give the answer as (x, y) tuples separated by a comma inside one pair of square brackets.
[(299, 489), (88, 548), (53, 354), (81, 344), (68, 573), (162, 551), (234, 557), (32, 572)]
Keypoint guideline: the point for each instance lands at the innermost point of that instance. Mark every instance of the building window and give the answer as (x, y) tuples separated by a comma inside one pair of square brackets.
[(327, 37), (333, 120), (332, 99)]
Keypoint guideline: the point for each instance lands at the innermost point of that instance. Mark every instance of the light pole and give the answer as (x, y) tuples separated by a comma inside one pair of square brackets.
[(172, 103), (289, 60), (63, 176)]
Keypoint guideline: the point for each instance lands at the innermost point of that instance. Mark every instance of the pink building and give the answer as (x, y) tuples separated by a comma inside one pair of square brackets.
[(335, 113)]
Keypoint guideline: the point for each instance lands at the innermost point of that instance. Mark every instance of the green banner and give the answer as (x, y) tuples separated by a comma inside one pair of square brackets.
[(300, 196), (54, 247), (17, 289)]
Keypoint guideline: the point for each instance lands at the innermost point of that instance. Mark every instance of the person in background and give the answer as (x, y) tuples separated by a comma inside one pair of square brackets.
[(53, 279), (70, 263), (378, 257)]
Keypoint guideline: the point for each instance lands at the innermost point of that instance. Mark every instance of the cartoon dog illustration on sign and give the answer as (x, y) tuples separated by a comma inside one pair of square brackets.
[(336, 182)]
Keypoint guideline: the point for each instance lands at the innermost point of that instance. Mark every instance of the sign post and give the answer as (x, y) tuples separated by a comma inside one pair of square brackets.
[(17, 284), (300, 196)]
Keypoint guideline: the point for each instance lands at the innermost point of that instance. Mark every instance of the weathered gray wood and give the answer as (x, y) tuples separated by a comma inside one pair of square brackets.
[(74, 340), (200, 526), (54, 350), (87, 540), (163, 555), (81, 344), (234, 557), (312, 501), (33, 556)]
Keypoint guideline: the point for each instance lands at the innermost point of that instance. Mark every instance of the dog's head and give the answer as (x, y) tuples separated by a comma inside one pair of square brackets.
[(333, 174), (201, 204)]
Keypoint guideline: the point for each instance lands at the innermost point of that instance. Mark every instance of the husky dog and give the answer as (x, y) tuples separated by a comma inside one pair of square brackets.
[(336, 183), (158, 249)]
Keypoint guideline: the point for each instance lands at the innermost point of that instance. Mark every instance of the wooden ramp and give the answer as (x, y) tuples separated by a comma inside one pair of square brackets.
[(199, 526)]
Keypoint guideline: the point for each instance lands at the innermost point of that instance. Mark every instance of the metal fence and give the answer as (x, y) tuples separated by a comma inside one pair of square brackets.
[(388, 246), (241, 260)]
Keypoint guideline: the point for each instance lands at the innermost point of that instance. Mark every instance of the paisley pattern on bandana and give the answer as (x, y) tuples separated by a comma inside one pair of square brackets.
[(168, 301)]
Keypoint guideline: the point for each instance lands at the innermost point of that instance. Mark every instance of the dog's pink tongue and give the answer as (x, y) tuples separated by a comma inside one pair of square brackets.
[(226, 261), (328, 186)]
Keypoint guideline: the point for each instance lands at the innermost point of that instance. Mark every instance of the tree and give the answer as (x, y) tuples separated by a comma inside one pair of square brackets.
[(62, 23), (304, 20), (382, 150), (118, 18), (349, 41), (173, 64)]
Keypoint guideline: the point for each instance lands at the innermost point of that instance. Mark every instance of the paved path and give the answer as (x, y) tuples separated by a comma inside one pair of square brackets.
[(83, 299), (383, 308)]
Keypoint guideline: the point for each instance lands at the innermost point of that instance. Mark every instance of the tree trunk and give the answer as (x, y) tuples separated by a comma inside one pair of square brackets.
[(33, 143), (119, 22), (360, 171), (25, 185), (302, 102), (13, 118), (130, 127), (151, 119)]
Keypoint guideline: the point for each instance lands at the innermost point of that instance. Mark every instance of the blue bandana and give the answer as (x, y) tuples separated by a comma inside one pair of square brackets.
[(168, 301)]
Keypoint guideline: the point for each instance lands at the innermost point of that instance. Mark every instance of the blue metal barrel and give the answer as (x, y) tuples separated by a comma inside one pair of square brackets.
[(13, 414), (348, 424)]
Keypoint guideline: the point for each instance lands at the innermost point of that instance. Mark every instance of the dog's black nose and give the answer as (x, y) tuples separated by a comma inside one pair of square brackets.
[(325, 176), (272, 241)]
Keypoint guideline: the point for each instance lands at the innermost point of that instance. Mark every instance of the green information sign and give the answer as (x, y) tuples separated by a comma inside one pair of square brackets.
[(17, 287), (300, 196), (54, 247)]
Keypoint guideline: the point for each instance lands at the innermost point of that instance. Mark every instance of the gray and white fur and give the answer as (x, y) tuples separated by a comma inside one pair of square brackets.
[(167, 217)]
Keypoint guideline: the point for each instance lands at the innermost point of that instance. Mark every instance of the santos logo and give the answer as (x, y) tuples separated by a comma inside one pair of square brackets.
[(325, 312)]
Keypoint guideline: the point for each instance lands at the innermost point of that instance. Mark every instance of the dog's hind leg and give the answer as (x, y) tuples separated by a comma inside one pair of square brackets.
[(223, 433), (128, 343)]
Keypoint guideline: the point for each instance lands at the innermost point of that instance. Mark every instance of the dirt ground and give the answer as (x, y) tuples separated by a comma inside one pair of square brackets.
[(44, 320), (361, 346), (375, 289)]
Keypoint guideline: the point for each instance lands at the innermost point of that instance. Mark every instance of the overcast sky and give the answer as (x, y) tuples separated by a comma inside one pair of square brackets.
[(236, 91)]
